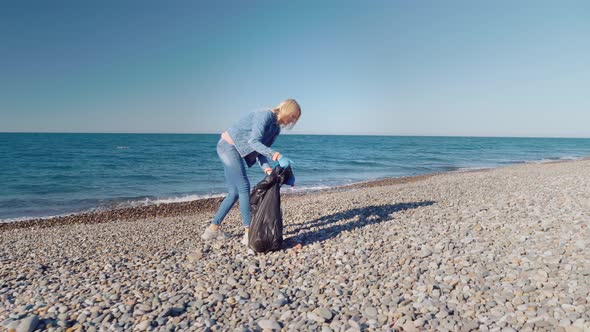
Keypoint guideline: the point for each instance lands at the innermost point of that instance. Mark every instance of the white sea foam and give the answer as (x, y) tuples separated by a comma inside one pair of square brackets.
[(551, 160), (469, 169), (164, 200), (299, 189), (9, 220), (541, 161)]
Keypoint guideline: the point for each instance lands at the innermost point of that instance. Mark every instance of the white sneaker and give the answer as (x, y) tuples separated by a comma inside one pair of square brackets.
[(245, 239), (212, 235)]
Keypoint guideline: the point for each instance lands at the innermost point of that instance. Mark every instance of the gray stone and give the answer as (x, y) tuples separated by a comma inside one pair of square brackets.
[(269, 324), (6, 322), (425, 253), (315, 317), (354, 324), (370, 313), (281, 301), (231, 281), (144, 325), (28, 324), (82, 317), (325, 313), (144, 307), (286, 315), (470, 325), (12, 325)]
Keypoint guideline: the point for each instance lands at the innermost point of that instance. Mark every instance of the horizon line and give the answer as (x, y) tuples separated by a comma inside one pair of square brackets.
[(298, 134)]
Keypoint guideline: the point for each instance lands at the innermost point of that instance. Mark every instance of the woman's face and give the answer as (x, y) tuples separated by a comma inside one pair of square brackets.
[(287, 119)]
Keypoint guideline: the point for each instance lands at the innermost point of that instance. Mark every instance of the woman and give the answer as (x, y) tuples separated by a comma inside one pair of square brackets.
[(246, 141)]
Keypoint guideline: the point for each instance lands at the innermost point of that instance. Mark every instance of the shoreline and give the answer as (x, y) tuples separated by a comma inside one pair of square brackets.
[(180, 209), (177, 209)]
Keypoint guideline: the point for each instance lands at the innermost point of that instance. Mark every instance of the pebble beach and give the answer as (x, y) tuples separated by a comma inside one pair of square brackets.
[(503, 249)]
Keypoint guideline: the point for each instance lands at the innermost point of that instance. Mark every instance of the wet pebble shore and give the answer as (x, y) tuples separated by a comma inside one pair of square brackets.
[(498, 250)]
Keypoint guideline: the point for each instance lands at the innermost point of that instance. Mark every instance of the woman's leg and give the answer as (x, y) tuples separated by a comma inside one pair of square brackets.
[(237, 183), (227, 203), (243, 188)]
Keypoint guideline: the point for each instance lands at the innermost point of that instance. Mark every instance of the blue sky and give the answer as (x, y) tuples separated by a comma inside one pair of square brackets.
[(497, 68)]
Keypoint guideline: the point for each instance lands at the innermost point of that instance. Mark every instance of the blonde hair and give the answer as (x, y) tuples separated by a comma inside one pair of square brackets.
[(288, 107)]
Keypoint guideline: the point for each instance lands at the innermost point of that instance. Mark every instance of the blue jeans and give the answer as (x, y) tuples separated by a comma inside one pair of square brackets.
[(237, 181)]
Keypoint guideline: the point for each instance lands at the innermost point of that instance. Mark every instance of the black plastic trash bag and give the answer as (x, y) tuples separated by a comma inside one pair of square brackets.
[(266, 227)]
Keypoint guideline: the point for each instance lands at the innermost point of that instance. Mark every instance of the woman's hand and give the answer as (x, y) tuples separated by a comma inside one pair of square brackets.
[(276, 156), (267, 171)]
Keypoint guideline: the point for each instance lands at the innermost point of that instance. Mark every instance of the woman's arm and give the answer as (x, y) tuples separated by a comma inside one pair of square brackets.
[(259, 124), (263, 162)]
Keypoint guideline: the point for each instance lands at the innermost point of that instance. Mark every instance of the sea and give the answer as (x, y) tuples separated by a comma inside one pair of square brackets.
[(52, 174)]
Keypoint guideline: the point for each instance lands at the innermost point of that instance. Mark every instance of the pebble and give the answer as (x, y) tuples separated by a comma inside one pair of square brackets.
[(370, 312), (28, 324), (324, 313), (286, 315), (143, 325), (315, 317), (269, 324), (354, 324), (281, 301)]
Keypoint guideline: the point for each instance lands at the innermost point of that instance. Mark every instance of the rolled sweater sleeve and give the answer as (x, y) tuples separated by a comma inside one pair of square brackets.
[(259, 124)]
